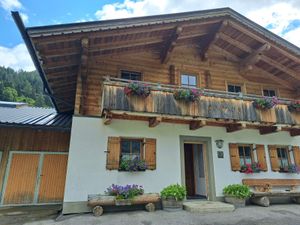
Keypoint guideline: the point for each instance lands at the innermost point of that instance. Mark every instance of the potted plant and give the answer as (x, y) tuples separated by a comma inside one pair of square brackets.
[(137, 89), (294, 106), (251, 168), (124, 194), (132, 165), (236, 194), (172, 197), (188, 95), (265, 103)]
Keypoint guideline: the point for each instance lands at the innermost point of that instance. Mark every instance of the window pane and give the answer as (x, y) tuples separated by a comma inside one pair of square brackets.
[(231, 88), (192, 81), (284, 162), (125, 146), (241, 152), (184, 80), (242, 162), (125, 75), (238, 89), (278, 152), (247, 151), (248, 160), (272, 93), (136, 147), (131, 75), (266, 93)]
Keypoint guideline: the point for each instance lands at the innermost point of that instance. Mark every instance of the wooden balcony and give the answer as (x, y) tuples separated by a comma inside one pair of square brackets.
[(232, 110)]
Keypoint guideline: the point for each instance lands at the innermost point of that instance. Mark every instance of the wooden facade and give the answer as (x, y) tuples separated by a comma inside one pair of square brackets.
[(33, 165)]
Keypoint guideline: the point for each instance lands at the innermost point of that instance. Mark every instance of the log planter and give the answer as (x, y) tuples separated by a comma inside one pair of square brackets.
[(237, 202), (96, 202)]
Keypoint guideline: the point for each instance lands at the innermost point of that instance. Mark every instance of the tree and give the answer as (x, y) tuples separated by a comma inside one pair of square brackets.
[(10, 94)]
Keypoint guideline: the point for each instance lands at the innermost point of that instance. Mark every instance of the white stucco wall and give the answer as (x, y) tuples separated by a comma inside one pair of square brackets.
[(87, 174)]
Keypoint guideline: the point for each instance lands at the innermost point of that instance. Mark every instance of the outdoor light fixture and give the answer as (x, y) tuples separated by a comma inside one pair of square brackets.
[(219, 143)]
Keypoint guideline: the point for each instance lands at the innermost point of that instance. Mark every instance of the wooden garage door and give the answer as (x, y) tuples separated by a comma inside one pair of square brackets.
[(53, 178), (35, 178), (22, 179)]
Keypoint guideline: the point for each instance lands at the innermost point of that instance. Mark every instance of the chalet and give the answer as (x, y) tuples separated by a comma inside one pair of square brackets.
[(199, 96)]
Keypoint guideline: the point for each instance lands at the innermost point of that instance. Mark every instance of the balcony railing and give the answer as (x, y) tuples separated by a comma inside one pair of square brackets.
[(213, 104)]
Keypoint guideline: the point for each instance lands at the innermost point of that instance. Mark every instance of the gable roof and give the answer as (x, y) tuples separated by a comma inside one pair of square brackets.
[(56, 49)]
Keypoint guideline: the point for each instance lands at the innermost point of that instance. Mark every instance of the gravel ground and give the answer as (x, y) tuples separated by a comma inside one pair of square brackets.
[(250, 215)]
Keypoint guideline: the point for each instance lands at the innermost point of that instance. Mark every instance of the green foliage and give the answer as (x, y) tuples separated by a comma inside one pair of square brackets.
[(237, 190), (174, 191), (22, 86)]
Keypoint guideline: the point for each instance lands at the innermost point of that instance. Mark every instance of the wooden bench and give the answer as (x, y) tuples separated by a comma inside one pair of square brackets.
[(263, 189)]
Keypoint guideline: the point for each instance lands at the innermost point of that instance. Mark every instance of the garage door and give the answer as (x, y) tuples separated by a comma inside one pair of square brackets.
[(35, 178)]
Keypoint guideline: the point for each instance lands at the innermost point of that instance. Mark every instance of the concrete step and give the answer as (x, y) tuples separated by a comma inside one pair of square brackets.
[(200, 206)]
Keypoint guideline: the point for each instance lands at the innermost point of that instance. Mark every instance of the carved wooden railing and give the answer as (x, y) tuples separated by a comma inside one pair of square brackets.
[(212, 105)]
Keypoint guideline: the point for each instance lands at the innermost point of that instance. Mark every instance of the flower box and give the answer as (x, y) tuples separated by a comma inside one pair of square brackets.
[(251, 168), (132, 165), (265, 103), (294, 106), (137, 89), (122, 202), (187, 95)]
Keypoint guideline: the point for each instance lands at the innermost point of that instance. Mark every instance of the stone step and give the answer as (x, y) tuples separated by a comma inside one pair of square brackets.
[(200, 206)]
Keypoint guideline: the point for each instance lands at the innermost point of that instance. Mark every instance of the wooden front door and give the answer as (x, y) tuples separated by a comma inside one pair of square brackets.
[(189, 169)]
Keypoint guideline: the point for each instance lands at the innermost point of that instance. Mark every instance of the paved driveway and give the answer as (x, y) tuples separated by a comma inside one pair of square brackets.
[(251, 215)]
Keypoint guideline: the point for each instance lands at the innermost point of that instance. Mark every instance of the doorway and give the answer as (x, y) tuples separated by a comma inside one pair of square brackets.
[(195, 170)]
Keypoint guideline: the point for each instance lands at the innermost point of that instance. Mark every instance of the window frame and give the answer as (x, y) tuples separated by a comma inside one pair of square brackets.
[(142, 140), (189, 75), (244, 155), (131, 72), (235, 85), (280, 158)]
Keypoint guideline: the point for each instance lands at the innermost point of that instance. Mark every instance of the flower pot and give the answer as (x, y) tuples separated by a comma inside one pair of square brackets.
[(170, 204), (122, 202), (237, 202)]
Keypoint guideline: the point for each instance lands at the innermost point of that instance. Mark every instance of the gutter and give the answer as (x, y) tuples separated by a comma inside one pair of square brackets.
[(18, 21)]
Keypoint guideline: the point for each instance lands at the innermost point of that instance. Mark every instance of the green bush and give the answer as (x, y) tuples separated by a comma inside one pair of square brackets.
[(237, 190), (174, 191)]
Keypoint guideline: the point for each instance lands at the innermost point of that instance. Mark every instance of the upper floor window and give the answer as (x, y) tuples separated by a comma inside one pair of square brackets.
[(283, 157), (188, 80), (269, 92), (245, 154), (131, 75), (234, 88), (131, 149)]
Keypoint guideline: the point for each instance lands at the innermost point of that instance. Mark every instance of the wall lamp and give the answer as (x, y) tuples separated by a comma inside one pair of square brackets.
[(219, 143)]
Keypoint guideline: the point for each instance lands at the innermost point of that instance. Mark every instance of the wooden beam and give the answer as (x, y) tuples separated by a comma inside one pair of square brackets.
[(108, 116), (170, 45), (235, 43), (269, 130), (295, 132), (212, 39), (154, 121), (253, 57), (281, 67), (235, 127), (196, 124)]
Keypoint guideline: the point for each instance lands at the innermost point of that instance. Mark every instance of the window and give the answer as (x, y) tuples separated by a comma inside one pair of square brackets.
[(283, 157), (234, 88), (188, 80), (245, 153), (269, 93), (131, 149), (131, 75)]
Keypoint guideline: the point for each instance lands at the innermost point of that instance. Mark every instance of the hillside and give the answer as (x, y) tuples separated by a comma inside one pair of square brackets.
[(22, 86)]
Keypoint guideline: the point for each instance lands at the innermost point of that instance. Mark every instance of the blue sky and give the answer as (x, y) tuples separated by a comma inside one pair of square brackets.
[(279, 16)]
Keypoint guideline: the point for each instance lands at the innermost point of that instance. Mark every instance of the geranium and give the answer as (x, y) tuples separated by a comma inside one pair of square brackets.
[(294, 106), (189, 95), (251, 168), (265, 102), (137, 89), (125, 192)]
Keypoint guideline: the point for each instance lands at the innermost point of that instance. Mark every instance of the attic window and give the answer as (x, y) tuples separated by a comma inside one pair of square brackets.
[(131, 75), (269, 93)]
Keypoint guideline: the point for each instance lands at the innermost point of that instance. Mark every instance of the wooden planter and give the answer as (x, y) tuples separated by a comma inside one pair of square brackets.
[(96, 202), (170, 204)]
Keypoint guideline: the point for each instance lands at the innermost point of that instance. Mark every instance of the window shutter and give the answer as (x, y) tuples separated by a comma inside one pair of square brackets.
[(261, 157), (113, 153), (234, 157), (150, 153), (296, 152), (273, 158)]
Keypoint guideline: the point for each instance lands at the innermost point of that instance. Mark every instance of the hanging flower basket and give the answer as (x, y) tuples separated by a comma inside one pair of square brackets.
[(137, 89), (187, 95), (294, 106), (265, 103)]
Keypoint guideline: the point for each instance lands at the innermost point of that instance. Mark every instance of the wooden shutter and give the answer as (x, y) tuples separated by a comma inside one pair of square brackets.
[(273, 158), (150, 153), (261, 157), (234, 157), (296, 152), (113, 153)]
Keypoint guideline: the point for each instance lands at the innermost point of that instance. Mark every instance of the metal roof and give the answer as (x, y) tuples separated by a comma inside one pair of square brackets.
[(34, 117)]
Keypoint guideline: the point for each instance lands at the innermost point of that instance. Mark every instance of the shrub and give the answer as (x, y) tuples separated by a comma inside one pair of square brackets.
[(237, 190), (125, 192), (174, 191)]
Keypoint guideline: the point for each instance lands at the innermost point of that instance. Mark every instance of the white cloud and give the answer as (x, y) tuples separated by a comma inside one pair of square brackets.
[(264, 12), (24, 17), (16, 58), (9, 5)]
